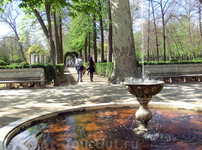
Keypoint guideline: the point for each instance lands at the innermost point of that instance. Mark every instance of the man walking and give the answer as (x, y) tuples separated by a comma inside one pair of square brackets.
[(78, 65)]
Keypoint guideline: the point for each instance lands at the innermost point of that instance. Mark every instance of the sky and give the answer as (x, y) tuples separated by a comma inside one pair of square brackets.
[(4, 30)]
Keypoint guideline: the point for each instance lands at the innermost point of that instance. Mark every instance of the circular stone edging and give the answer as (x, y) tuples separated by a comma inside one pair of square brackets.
[(9, 131)]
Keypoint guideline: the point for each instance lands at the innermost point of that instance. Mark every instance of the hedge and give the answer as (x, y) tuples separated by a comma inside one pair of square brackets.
[(171, 62), (3, 63), (103, 69)]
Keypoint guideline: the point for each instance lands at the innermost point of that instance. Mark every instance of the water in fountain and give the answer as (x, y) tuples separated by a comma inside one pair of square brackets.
[(141, 80), (112, 129)]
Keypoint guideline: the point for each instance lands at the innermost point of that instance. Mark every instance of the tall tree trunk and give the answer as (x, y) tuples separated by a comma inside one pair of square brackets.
[(12, 50), (125, 63), (85, 49), (88, 45), (56, 38), (94, 39), (170, 52), (164, 36), (101, 32), (20, 44), (109, 49), (179, 41), (52, 46), (60, 38), (148, 30), (199, 19), (45, 30), (175, 44), (4, 46), (155, 30), (190, 34)]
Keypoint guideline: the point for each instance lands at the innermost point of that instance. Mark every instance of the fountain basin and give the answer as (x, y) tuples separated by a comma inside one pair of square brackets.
[(110, 108), (144, 89)]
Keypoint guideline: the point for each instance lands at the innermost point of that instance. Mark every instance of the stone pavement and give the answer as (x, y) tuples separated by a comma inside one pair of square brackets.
[(19, 103)]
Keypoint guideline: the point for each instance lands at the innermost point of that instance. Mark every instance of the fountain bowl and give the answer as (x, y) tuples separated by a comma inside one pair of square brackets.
[(144, 91)]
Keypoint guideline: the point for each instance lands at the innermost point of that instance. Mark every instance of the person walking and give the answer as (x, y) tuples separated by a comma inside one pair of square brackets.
[(78, 65), (91, 68)]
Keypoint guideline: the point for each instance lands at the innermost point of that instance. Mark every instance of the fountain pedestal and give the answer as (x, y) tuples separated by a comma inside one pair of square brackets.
[(144, 92)]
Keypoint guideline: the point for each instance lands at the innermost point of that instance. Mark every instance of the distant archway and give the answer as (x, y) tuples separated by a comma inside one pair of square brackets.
[(36, 54), (72, 54)]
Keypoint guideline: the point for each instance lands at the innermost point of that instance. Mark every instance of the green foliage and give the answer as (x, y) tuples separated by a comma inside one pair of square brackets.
[(60, 70), (81, 24), (85, 65), (36, 49), (49, 70), (98, 68), (110, 68), (79, 28), (104, 69), (173, 59), (24, 64), (171, 62), (3, 63)]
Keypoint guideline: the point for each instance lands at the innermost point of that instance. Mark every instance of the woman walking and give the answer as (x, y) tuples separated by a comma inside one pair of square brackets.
[(91, 68)]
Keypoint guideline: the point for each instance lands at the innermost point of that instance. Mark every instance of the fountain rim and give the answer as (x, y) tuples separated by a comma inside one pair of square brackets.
[(144, 83), (9, 131)]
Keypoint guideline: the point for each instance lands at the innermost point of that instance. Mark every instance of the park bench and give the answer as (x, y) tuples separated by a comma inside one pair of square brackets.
[(174, 72), (22, 76)]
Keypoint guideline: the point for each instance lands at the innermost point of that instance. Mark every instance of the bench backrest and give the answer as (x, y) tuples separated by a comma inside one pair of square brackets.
[(22, 74), (173, 69)]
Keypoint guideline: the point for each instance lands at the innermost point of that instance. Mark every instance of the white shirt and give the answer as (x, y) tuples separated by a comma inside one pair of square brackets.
[(79, 62)]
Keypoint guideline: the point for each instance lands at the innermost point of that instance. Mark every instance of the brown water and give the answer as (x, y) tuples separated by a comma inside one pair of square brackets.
[(113, 130)]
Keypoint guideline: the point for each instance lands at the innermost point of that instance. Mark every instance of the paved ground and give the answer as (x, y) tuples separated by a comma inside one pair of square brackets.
[(19, 103)]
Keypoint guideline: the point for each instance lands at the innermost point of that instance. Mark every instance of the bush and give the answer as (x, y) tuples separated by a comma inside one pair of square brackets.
[(98, 68), (110, 68), (104, 69), (172, 62), (3, 63), (24, 64)]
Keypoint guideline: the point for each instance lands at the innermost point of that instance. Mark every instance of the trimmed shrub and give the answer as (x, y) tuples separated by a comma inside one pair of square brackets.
[(110, 68), (3, 63), (172, 62)]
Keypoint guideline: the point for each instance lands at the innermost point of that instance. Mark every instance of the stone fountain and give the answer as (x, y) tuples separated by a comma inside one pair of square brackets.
[(144, 92)]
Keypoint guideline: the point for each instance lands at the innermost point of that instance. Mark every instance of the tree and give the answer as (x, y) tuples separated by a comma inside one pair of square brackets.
[(155, 30), (101, 31), (189, 9), (31, 7), (10, 16), (77, 35), (56, 34), (109, 49), (94, 39), (125, 64), (148, 32)]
